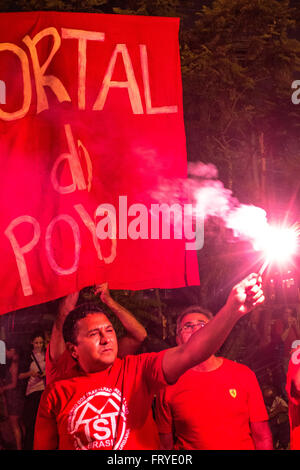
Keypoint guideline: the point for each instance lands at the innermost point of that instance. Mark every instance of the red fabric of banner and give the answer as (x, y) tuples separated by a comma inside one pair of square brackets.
[(91, 123)]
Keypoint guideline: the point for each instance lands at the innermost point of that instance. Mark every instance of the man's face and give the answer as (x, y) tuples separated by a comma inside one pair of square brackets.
[(97, 345), (189, 324)]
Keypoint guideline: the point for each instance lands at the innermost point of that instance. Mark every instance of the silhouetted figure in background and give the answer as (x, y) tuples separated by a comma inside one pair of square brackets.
[(277, 409), (35, 386)]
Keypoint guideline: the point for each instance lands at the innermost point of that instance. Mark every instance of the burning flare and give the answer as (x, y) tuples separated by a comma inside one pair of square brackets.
[(277, 243)]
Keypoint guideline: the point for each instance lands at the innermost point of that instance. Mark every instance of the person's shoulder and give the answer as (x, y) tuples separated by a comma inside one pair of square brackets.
[(63, 383), (237, 366)]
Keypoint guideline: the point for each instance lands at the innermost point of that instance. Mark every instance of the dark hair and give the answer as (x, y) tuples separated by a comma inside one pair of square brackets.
[(271, 387), (37, 334), (192, 309), (70, 323)]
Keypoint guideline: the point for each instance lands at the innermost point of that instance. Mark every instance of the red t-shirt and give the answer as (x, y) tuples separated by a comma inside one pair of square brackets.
[(212, 410), (104, 410), (294, 402), (66, 367)]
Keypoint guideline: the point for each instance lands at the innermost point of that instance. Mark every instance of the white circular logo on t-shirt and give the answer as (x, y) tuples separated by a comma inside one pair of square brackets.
[(98, 420)]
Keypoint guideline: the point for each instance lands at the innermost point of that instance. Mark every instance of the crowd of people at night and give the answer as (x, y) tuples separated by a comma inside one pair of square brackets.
[(81, 387)]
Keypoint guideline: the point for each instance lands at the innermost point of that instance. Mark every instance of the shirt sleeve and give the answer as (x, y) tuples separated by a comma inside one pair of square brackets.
[(257, 407), (152, 370), (163, 414), (46, 434), (60, 369)]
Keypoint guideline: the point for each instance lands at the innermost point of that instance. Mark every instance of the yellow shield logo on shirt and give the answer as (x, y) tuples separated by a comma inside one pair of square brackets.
[(232, 392)]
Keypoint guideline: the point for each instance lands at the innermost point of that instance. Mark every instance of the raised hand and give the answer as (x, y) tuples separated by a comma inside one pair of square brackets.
[(246, 295), (103, 291)]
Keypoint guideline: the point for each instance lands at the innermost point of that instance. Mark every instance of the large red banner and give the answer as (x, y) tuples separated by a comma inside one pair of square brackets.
[(91, 123)]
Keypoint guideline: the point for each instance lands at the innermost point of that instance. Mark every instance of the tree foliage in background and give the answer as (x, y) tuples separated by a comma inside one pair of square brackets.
[(92, 6), (238, 66)]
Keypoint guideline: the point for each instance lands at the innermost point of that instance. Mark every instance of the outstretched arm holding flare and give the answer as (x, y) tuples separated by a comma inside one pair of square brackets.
[(206, 341)]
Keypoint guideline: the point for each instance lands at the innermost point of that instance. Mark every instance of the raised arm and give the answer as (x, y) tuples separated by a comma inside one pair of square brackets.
[(135, 332), (206, 341), (57, 345)]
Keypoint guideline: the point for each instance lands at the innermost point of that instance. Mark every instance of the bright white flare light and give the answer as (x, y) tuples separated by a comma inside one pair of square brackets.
[(277, 243)]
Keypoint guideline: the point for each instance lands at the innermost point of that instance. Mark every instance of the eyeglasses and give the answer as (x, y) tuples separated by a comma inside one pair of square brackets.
[(190, 327)]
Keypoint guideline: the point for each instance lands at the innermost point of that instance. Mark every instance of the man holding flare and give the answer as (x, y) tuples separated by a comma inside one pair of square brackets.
[(106, 405)]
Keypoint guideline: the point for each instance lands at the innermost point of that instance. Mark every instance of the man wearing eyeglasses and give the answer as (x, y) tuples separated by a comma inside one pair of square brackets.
[(216, 405)]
